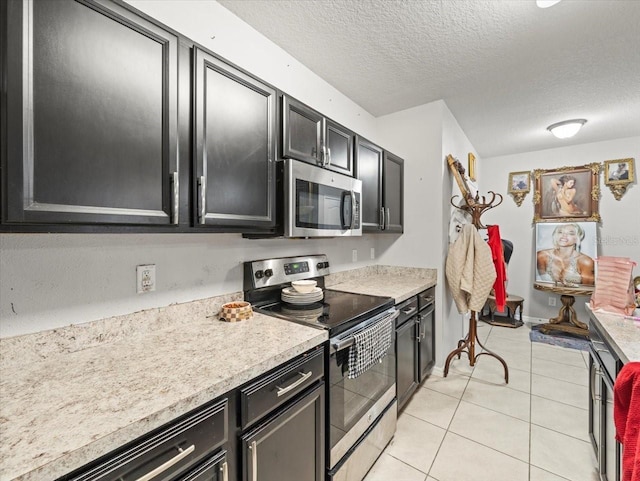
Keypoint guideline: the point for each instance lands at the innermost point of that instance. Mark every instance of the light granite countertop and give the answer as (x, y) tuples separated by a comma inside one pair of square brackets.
[(78, 395), (622, 334), (398, 282)]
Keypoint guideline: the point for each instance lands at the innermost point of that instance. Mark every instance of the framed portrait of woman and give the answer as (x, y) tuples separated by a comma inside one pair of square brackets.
[(566, 194), (565, 255)]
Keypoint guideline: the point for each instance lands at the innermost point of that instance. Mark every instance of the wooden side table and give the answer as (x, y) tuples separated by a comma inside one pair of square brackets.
[(567, 319), (514, 304)]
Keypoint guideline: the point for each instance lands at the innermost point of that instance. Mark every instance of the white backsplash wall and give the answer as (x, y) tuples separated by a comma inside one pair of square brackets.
[(619, 232), (53, 280)]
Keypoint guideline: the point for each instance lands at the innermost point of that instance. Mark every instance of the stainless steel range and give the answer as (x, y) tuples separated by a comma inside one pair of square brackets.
[(362, 409)]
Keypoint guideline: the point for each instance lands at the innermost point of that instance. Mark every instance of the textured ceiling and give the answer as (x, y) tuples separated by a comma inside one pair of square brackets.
[(505, 68)]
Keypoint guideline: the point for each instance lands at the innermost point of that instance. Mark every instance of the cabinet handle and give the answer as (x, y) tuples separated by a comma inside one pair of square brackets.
[(225, 471), (284, 390), (382, 218), (254, 461), (328, 156), (175, 184), (388, 217), (409, 311), (202, 184), (163, 467)]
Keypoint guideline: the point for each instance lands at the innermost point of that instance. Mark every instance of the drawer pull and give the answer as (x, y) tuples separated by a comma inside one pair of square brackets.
[(284, 390), (163, 467), (409, 311), (225, 471)]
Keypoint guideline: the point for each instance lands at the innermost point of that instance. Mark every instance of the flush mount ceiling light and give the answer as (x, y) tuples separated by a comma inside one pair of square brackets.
[(566, 128), (546, 3)]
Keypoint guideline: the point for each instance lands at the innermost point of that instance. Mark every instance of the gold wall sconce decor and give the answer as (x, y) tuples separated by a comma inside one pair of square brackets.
[(618, 174), (519, 185)]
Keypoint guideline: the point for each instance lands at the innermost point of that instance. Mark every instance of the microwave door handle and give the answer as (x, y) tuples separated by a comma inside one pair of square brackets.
[(346, 223), (353, 210)]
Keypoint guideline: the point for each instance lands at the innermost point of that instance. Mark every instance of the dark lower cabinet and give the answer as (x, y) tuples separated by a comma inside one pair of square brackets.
[(407, 378), (235, 145), (415, 343), (90, 119), (426, 341), (604, 366), (290, 445)]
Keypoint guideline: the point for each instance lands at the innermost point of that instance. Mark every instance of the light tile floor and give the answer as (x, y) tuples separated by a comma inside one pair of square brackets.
[(472, 426)]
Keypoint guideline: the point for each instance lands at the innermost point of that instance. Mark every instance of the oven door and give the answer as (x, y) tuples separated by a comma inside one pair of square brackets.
[(356, 404), (320, 203)]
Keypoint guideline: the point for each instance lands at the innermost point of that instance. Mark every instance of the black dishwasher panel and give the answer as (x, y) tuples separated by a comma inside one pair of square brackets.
[(169, 452), (273, 390)]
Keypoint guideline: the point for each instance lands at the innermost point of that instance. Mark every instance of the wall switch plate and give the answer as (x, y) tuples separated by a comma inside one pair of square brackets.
[(354, 255), (552, 301), (373, 253), (145, 278)]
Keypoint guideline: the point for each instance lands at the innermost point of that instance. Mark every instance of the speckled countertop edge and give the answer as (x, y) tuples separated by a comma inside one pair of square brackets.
[(400, 283), (622, 334), (51, 423)]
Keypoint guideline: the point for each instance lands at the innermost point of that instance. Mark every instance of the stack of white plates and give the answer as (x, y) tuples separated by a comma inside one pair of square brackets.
[(291, 296)]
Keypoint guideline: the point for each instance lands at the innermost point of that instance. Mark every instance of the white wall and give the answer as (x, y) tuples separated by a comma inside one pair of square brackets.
[(424, 136), (619, 232)]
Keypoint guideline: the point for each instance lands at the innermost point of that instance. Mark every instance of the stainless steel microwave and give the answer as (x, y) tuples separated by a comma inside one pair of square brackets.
[(320, 203)]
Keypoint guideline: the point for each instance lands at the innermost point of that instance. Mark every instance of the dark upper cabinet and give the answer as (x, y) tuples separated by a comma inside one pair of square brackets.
[(393, 193), (310, 137), (91, 115), (382, 176), (235, 145), (369, 171)]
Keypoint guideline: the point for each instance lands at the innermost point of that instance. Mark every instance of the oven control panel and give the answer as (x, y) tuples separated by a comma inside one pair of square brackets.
[(283, 270), (296, 268)]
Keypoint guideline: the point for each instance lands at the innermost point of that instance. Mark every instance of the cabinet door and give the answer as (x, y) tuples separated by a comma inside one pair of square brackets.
[(426, 342), (406, 361), (369, 171), (289, 447), (610, 459), (302, 129), (393, 193), (91, 115), (235, 119), (339, 143)]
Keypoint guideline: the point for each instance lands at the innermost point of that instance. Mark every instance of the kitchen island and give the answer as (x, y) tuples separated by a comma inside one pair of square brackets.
[(71, 395)]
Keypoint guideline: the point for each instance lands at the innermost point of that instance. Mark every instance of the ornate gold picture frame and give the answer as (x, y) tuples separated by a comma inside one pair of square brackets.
[(519, 185), (567, 194), (458, 172), (618, 174), (472, 167)]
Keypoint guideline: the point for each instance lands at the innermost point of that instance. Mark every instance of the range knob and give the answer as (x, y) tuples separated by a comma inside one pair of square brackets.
[(320, 265), (259, 274), (268, 272)]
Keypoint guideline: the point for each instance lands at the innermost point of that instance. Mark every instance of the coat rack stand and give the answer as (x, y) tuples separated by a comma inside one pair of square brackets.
[(475, 207)]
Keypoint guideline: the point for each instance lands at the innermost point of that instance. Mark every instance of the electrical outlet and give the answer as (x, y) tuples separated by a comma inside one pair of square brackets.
[(145, 278), (552, 301), (373, 253), (354, 255)]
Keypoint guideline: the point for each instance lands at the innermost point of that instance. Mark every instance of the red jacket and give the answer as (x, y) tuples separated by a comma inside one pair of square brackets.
[(626, 416)]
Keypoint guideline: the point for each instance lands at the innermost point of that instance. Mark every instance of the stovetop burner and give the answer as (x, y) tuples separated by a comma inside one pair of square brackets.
[(337, 312)]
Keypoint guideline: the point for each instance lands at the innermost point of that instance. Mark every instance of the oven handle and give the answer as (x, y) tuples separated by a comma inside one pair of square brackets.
[(347, 339)]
